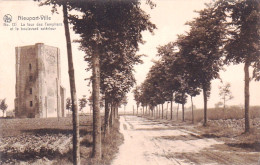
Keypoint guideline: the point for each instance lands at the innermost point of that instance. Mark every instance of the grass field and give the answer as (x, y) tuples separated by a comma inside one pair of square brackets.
[(232, 112), (49, 141)]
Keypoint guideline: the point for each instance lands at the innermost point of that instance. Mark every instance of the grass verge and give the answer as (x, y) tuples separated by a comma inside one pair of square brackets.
[(49, 141), (110, 147)]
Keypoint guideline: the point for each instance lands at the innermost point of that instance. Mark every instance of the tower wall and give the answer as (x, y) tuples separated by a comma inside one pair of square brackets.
[(63, 103), (37, 81)]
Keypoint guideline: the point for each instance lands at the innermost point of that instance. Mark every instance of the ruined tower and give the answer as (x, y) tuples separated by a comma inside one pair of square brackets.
[(39, 93)]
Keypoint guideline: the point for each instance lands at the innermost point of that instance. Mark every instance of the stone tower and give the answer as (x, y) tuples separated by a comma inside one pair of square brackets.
[(39, 93)]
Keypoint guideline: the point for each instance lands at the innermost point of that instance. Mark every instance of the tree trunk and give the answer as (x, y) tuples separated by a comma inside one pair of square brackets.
[(162, 110), (75, 117), (156, 112), (205, 106), (247, 80), (224, 108), (159, 111), (115, 112), (117, 115), (182, 112), (137, 109), (171, 109), (192, 113), (178, 112), (4, 115), (96, 105), (106, 127), (224, 101), (111, 116), (166, 110)]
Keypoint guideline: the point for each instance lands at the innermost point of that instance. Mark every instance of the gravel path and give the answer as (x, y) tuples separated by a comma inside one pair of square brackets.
[(148, 142)]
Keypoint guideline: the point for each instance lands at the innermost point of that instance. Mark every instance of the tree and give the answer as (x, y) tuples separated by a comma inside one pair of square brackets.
[(190, 63), (75, 118), (193, 92), (164, 78), (3, 106), (109, 24), (176, 75), (148, 94), (173, 66), (124, 102), (137, 96), (243, 40), (225, 93), (82, 103), (151, 88), (181, 98), (256, 72), (201, 49), (68, 104), (116, 79)]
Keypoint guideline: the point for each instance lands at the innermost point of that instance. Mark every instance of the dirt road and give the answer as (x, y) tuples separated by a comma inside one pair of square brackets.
[(148, 142)]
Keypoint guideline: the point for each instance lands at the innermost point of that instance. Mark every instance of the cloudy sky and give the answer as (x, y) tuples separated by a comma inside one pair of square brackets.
[(169, 16)]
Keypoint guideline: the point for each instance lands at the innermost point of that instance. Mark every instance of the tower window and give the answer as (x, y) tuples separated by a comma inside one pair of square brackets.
[(30, 90), (31, 78), (31, 103), (30, 66)]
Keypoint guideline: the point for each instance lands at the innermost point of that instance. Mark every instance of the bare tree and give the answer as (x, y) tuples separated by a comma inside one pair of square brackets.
[(225, 93)]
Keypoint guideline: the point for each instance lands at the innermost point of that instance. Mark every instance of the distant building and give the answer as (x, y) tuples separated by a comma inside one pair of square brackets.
[(39, 93)]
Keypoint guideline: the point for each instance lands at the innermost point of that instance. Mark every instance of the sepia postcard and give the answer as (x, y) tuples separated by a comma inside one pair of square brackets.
[(130, 82)]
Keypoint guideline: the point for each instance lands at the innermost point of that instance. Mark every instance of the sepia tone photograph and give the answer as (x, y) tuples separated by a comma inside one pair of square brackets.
[(130, 82)]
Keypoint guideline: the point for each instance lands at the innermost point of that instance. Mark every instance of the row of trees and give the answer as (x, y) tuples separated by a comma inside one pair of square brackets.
[(110, 32), (224, 33)]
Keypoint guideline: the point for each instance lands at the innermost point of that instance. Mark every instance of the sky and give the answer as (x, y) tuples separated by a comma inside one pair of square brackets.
[(168, 15)]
